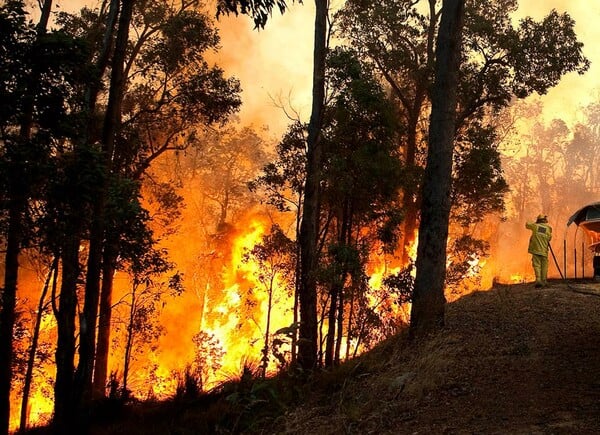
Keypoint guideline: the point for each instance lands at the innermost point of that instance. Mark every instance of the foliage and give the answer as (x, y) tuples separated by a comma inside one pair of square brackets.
[(207, 357), (275, 257), (479, 186), (361, 157), (230, 159), (500, 61), (258, 10), (465, 254), (282, 180)]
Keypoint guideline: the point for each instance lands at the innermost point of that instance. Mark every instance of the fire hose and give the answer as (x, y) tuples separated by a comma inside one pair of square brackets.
[(569, 286), (556, 261)]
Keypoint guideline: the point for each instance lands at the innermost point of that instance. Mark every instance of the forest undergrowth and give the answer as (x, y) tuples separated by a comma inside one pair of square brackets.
[(511, 360)]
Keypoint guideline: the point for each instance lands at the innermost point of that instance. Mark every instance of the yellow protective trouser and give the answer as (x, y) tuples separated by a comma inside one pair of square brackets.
[(540, 267)]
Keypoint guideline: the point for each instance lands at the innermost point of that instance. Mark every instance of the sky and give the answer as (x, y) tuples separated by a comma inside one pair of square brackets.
[(277, 62), (274, 65), (574, 91)]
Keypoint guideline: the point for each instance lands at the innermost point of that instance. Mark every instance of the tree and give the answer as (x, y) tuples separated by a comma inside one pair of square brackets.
[(502, 61), (230, 159), (40, 72), (145, 299), (282, 182), (275, 259), (309, 230), (362, 174), (179, 86), (428, 302)]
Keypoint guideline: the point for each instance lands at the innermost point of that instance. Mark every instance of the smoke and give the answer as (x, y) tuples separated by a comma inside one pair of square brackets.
[(574, 91), (274, 64)]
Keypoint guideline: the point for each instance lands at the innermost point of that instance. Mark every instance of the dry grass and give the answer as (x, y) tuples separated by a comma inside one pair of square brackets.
[(511, 360)]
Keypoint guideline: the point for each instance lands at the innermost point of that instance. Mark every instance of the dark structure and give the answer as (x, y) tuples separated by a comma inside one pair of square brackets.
[(588, 219)]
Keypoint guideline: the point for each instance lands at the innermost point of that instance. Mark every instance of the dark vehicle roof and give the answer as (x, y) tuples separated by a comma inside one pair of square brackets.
[(590, 212)]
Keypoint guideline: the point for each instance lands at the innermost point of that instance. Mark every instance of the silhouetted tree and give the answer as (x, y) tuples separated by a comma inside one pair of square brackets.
[(259, 10), (428, 301)]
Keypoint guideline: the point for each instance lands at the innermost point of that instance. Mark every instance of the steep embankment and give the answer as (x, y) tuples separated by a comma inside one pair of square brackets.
[(512, 360)]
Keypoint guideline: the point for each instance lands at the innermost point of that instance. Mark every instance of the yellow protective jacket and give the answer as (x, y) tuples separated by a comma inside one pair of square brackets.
[(541, 234)]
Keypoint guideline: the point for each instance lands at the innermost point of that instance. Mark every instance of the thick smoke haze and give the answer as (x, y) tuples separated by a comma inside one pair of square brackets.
[(274, 65), (574, 91)]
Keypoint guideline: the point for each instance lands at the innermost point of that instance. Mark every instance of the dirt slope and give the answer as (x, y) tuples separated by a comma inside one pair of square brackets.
[(512, 360)]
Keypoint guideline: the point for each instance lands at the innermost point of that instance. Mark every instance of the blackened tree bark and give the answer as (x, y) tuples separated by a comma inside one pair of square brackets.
[(428, 305), (112, 122), (104, 321), (65, 321), (309, 230), (17, 204), (7, 314)]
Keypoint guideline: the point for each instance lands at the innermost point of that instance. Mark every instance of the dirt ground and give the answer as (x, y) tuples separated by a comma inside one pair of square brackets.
[(512, 360)]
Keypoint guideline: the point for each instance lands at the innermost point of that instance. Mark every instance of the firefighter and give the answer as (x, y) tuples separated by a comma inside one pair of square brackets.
[(539, 242)]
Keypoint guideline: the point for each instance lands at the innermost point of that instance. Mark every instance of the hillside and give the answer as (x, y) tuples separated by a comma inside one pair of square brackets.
[(512, 360)]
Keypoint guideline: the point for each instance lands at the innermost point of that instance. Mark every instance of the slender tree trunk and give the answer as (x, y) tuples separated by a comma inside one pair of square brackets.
[(129, 341), (331, 316), (350, 319), (297, 283), (64, 409), (17, 205), (112, 123), (307, 343), (428, 305), (104, 321), (9, 295), (265, 361), (52, 276), (340, 329), (409, 199), (337, 288)]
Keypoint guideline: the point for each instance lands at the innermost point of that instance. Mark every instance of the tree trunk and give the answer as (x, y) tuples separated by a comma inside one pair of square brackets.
[(307, 343), (129, 341), (265, 361), (64, 409), (9, 295), (103, 344), (17, 204), (331, 316), (112, 122), (297, 282), (52, 275), (350, 319), (428, 305), (340, 329)]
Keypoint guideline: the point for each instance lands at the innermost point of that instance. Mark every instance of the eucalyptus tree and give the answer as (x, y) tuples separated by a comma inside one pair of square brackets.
[(260, 10), (40, 74), (274, 257), (362, 175), (428, 301), (230, 159), (160, 92), (501, 61), (282, 185)]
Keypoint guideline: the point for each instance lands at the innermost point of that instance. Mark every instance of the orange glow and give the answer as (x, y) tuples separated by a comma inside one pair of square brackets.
[(237, 314), (224, 296), (517, 278)]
